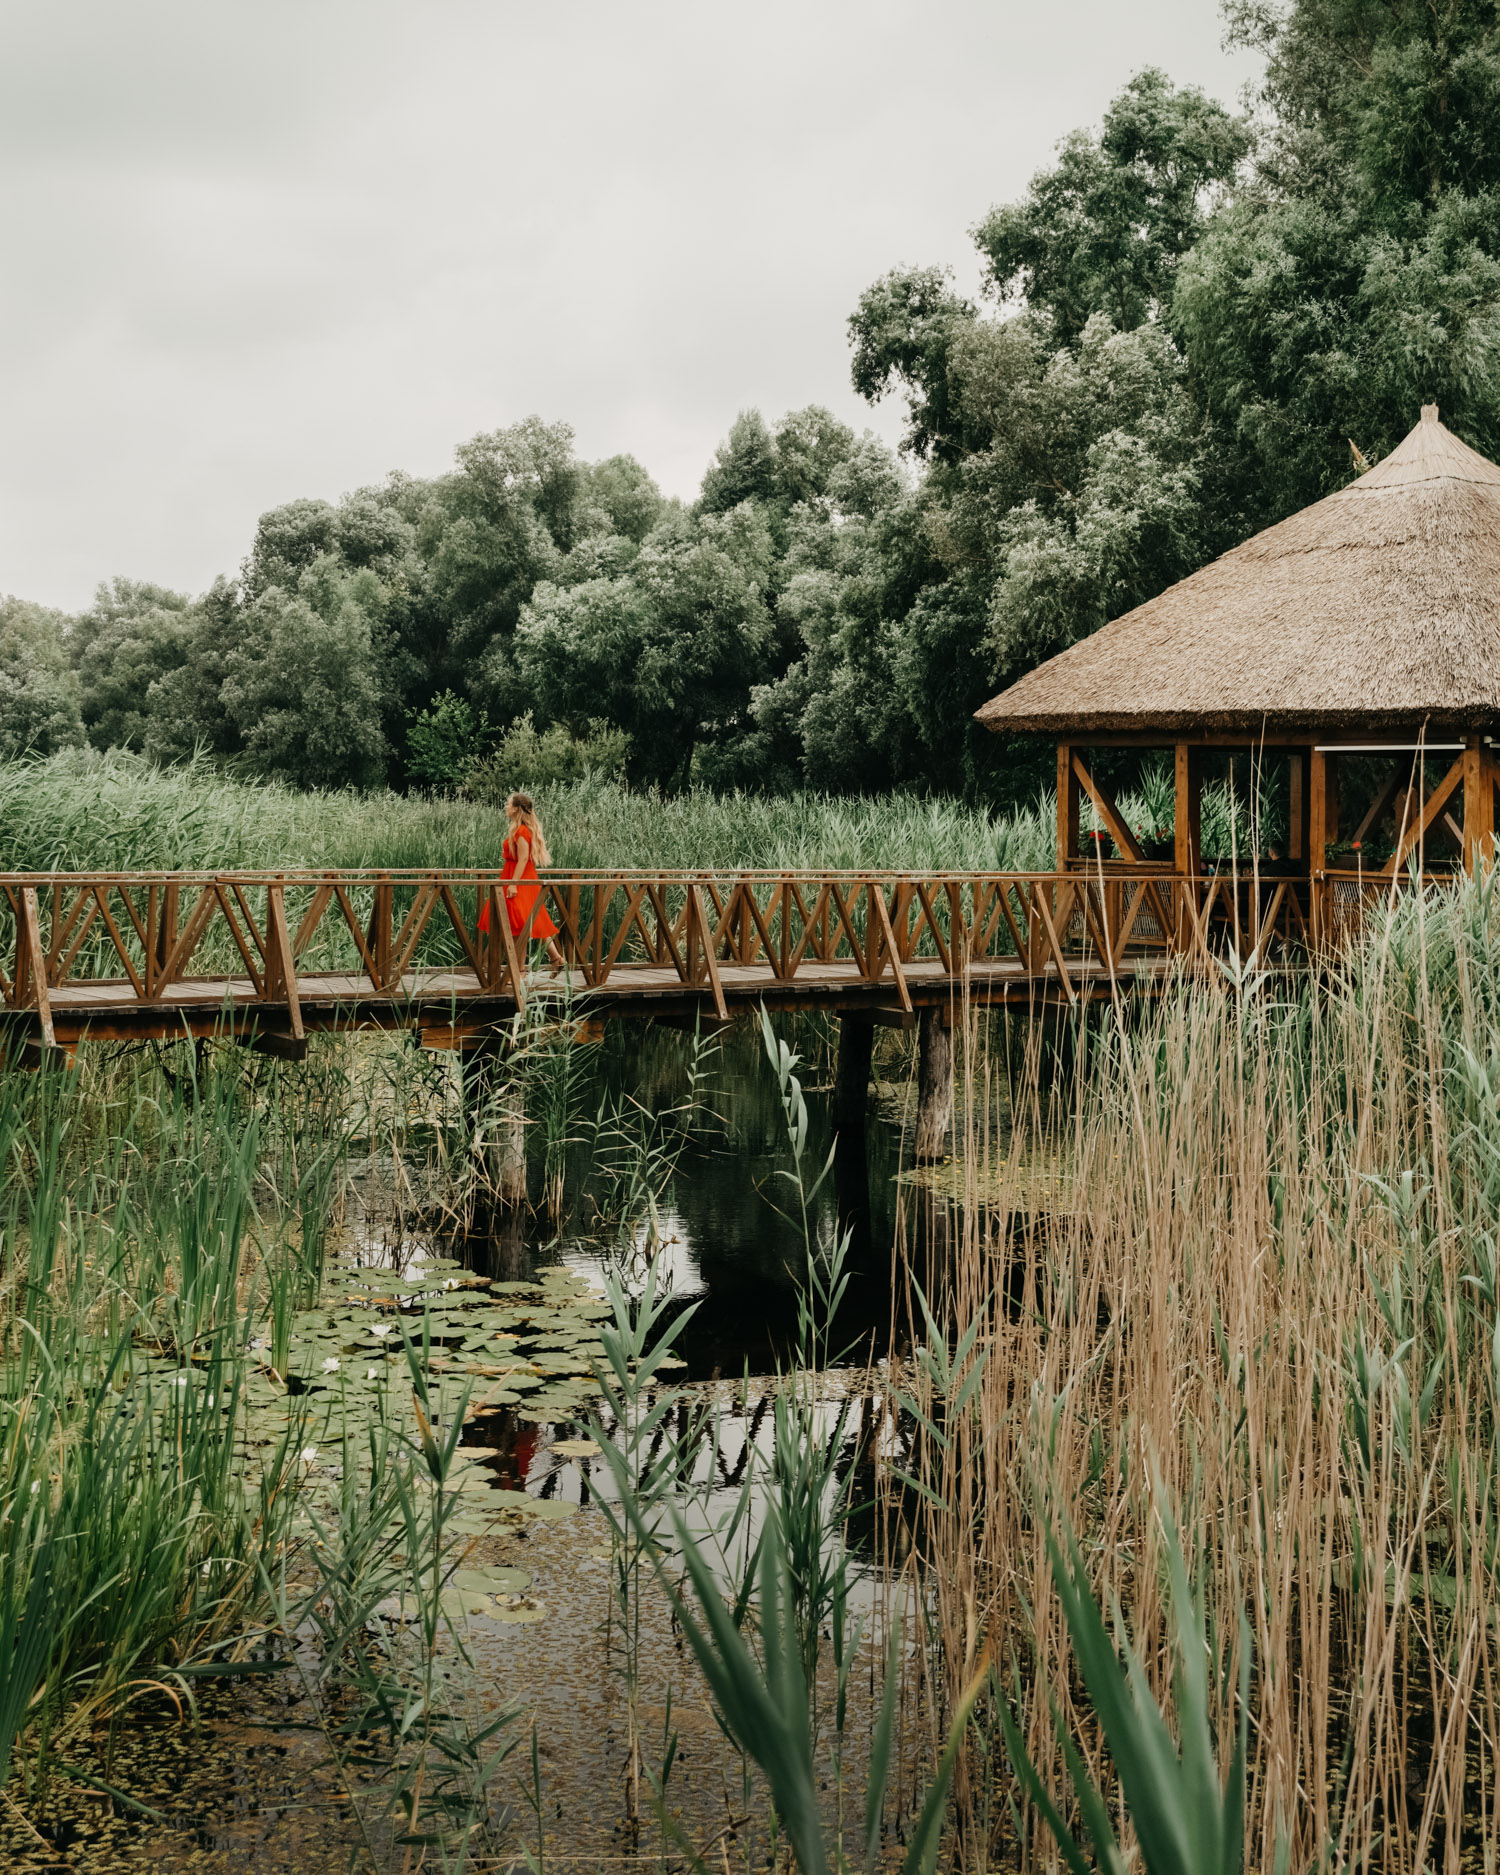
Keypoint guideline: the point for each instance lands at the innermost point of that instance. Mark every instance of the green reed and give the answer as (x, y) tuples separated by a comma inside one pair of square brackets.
[(79, 811)]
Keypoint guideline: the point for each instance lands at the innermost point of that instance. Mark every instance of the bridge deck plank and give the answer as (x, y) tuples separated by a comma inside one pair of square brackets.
[(626, 982)]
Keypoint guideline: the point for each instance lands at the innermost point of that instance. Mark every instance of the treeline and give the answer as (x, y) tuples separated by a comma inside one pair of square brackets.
[(1194, 323)]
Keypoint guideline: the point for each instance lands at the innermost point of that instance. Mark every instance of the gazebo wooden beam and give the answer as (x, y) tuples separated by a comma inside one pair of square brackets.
[(1435, 803), (1377, 809), (1067, 808), (1479, 804), (1107, 809), (1322, 806), (1285, 739), (1187, 819)]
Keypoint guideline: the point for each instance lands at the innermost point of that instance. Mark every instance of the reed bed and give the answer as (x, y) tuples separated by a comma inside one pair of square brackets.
[(1252, 1362), (1268, 1316), (80, 811)]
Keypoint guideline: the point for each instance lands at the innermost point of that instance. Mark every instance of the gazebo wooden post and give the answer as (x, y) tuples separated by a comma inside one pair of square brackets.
[(1479, 804), (1067, 808), (1296, 833), (1187, 853), (1322, 831), (1187, 804)]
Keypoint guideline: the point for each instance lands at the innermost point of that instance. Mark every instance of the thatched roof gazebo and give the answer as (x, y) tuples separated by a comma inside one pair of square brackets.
[(1368, 624)]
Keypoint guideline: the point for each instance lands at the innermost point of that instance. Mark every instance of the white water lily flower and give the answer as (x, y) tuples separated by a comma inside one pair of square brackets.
[(369, 1373), (381, 1328), (309, 1453), (331, 1365), (451, 1282), (182, 1380)]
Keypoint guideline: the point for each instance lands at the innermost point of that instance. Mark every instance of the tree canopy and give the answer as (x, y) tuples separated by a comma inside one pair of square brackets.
[(1192, 323)]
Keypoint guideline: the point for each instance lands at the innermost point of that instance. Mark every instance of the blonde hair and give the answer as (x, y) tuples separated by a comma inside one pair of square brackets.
[(525, 807)]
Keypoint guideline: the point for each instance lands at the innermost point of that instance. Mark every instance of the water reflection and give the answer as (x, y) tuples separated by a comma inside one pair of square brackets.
[(731, 1240)]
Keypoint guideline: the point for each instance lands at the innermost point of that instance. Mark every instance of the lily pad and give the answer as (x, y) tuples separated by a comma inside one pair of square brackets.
[(502, 1579)]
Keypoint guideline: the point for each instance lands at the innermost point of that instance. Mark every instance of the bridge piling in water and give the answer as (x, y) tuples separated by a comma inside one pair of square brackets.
[(495, 1108), (934, 1082), (851, 1086)]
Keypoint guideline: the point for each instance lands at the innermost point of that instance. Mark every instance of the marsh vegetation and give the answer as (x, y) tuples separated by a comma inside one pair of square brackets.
[(1128, 1478)]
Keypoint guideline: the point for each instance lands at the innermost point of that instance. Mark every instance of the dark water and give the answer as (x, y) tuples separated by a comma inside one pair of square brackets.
[(731, 1237), (246, 1786)]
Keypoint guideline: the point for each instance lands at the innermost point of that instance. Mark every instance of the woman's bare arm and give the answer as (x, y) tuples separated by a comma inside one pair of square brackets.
[(523, 853)]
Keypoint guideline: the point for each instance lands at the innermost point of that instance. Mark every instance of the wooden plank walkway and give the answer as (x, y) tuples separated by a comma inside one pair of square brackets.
[(274, 957)]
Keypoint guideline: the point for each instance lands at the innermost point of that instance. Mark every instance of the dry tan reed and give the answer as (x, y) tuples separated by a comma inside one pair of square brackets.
[(1269, 1304)]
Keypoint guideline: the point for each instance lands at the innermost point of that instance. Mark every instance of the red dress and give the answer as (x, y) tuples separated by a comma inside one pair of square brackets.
[(518, 909)]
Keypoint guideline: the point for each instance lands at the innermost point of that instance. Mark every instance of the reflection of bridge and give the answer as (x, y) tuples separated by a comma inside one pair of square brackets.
[(276, 956)]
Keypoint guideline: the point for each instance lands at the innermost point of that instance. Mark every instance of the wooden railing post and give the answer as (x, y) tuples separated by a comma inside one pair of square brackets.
[(165, 924), (281, 971), (698, 917), (378, 937), (35, 971), (573, 948)]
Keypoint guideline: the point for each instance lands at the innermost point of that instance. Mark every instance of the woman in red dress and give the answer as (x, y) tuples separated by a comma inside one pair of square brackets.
[(524, 849)]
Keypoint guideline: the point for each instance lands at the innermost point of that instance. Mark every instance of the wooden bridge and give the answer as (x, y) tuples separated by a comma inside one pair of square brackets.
[(274, 957)]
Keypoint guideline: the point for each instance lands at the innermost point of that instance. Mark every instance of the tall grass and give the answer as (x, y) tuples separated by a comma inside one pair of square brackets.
[(1265, 1299), (75, 812), (133, 1533)]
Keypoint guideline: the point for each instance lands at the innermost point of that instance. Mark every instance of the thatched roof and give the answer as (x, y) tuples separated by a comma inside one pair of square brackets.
[(1376, 607)]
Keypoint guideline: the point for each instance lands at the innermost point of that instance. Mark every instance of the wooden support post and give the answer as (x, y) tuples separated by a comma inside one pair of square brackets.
[(495, 1106), (1067, 808), (1479, 805), (36, 959), (510, 1147), (281, 969), (1187, 818), (378, 936), (1187, 840), (1296, 840), (934, 1084), (1322, 830), (1107, 810), (851, 1088)]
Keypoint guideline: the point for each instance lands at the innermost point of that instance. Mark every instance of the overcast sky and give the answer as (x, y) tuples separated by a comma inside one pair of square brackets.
[(257, 251)]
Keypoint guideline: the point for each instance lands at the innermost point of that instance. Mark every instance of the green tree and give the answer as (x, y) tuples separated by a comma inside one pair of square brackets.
[(1356, 275), (1104, 229), (743, 468), (133, 635), (39, 695), (444, 744), (302, 686), (835, 716), (668, 652), (903, 334), (184, 705), (624, 500)]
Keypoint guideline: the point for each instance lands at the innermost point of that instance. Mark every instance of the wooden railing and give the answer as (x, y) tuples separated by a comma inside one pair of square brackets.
[(272, 941)]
